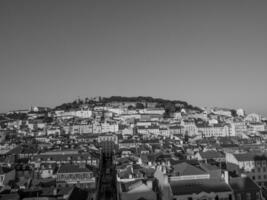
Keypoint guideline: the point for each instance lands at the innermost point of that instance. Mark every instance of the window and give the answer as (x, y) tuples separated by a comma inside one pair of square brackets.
[(238, 196), (248, 196), (259, 177), (258, 197)]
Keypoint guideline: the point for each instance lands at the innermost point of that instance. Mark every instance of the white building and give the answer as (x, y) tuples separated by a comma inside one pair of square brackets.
[(153, 111), (224, 112), (256, 127), (253, 117), (189, 127), (74, 113), (240, 112), (214, 131), (240, 127), (252, 164)]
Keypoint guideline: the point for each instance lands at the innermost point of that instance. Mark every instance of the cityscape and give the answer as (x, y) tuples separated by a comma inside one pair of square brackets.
[(133, 100), (132, 148)]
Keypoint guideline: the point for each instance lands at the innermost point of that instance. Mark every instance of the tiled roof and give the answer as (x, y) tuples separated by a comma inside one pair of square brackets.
[(10, 196), (125, 173), (198, 186), (126, 186), (208, 167), (229, 145), (70, 168), (148, 172), (185, 169), (144, 158), (250, 157), (63, 157), (239, 184), (4, 170), (211, 154), (191, 162)]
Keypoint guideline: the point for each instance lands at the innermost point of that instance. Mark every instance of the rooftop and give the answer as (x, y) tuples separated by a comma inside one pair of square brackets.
[(70, 168), (243, 184), (198, 186)]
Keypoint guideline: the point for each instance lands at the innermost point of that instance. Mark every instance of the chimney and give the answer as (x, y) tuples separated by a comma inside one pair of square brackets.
[(226, 177), (55, 192), (132, 170), (149, 183), (165, 179), (164, 169)]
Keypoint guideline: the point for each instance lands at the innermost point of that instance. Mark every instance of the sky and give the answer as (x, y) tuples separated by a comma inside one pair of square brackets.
[(208, 53)]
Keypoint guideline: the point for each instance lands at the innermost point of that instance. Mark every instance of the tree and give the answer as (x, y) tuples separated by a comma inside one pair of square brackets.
[(186, 137), (159, 105), (139, 106), (169, 109), (130, 107)]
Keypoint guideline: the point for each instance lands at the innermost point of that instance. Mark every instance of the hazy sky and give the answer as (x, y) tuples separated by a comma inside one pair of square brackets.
[(205, 52)]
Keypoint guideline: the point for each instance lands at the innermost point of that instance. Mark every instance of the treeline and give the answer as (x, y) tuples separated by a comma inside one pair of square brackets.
[(138, 99), (170, 106)]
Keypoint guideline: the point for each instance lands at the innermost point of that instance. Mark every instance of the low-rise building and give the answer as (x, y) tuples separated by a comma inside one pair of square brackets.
[(6, 175), (217, 130), (254, 165), (70, 174)]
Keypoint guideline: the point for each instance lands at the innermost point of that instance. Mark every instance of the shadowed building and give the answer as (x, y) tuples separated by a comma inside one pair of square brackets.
[(70, 174)]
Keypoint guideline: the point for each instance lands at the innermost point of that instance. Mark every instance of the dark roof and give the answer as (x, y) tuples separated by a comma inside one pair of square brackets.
[(239, 184), (125, 173), (11, 196), (39, 198), (185, 169), (4, 170), (148, 172), (208, 167), (78, 193), (126, 186), (63, 157), (250, 156), (197, 186), (229, 145), (211, 154), (16, 150), (65, 190), (191, 162), (70, 168)]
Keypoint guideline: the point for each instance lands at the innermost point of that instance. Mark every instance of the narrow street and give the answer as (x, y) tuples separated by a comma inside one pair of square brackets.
[(107, 181)]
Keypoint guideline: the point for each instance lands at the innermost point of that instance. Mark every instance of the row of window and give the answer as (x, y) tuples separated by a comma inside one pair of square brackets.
[(247, 196), (259, 177), (74, 176), (263, 169)]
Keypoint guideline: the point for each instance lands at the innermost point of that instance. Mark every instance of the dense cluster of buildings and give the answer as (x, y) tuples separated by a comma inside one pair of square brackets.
[(191, 154)]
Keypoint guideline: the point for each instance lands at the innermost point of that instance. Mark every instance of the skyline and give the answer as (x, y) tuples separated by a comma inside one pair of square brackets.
[(206, 53)]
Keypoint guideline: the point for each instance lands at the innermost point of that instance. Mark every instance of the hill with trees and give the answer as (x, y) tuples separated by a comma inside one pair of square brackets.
[(170, 106)]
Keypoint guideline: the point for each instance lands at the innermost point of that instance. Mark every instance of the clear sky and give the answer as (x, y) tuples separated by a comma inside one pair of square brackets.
[(209, 53)]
